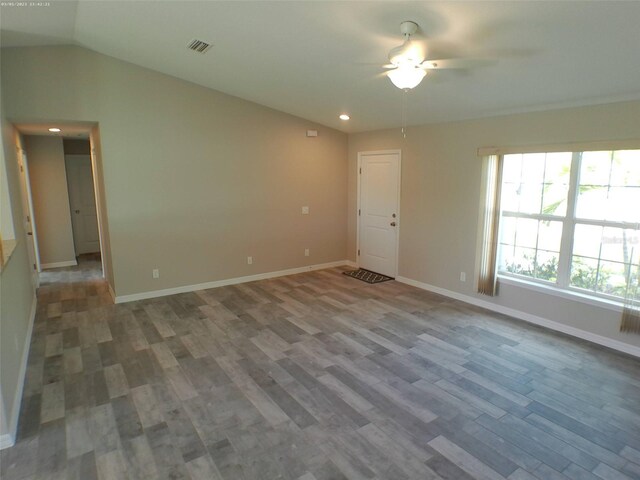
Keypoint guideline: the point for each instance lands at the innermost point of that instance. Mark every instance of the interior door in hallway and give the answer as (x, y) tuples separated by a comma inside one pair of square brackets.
[(379, 211), (28, 218), (83, 203)]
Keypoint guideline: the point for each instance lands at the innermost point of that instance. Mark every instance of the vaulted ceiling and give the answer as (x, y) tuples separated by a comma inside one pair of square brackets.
[(319, 59)]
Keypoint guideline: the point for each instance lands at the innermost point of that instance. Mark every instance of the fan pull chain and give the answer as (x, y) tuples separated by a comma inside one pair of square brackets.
[(404, 112)]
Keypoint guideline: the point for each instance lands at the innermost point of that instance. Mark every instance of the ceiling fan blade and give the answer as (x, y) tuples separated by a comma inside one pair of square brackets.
[(377, 65), (451, 63)]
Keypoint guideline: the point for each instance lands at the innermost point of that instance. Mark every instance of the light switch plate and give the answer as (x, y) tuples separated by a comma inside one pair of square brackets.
[(305, 210)]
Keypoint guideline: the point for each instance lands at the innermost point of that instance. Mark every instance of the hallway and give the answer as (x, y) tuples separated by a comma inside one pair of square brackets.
[(88, 273)]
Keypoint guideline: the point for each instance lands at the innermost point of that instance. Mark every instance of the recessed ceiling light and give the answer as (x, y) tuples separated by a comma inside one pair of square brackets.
[(54, 130), (344, 116)]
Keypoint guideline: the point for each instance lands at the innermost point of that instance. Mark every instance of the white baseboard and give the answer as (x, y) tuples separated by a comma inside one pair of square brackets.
[(225, 282), (9, 439), (351, 264), (528, 317), (112, 293), (70, 263)]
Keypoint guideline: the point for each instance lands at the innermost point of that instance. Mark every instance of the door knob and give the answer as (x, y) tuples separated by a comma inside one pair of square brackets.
[(77, 211), (393, 224), (29, 233)]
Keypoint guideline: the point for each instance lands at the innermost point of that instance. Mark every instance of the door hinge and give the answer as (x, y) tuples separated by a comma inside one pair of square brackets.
[(34, 266), (28, 219), (358, 212), (360, 169), (358, 252)]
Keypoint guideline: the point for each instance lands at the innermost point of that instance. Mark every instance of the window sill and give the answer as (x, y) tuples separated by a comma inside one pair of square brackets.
[(8, 247), (566, 294)]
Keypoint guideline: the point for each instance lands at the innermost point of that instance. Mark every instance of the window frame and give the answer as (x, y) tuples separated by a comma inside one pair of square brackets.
[(565, 255)]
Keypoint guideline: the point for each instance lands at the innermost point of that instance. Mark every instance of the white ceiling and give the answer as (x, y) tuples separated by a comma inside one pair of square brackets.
[(310, 58)]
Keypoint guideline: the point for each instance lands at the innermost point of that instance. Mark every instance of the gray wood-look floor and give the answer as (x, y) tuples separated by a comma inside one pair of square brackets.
[(313, 376)]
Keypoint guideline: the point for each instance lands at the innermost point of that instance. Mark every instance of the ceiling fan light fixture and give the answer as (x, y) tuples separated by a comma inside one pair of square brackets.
[(406, 77)]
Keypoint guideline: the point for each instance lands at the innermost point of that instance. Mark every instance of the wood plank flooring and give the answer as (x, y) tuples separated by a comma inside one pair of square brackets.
[(314, 376)]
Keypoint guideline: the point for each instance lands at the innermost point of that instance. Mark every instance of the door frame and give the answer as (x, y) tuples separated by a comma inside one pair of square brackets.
[(99, 193), (25, 184), (358, 200), (100, 208)]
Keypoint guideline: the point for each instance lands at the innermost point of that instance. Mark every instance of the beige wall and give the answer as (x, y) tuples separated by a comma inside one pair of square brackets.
[(16, 292), (48, 178), (441, 193), (195, 180)]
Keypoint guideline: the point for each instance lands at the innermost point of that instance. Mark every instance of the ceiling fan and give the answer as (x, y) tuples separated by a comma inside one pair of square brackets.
[(408, 64)]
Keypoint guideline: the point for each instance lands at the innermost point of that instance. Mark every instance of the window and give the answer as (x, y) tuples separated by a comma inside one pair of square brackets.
[(572, 219)]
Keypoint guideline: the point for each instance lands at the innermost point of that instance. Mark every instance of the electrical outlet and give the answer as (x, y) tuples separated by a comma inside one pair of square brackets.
[(305, 210), (155, 273), (463, 276), (249, 260), (306, 252)]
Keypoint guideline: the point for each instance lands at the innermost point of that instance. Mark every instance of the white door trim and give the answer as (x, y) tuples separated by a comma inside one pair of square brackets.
[(359, 166), (97, 193)]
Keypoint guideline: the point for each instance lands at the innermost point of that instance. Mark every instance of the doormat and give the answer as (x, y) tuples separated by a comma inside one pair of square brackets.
[(367, 276)]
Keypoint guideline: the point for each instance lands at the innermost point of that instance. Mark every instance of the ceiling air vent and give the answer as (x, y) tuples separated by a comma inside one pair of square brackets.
[(198, 46)]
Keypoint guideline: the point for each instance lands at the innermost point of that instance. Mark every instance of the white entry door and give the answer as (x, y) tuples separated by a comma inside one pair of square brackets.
[(82, 201), (379, 211)]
